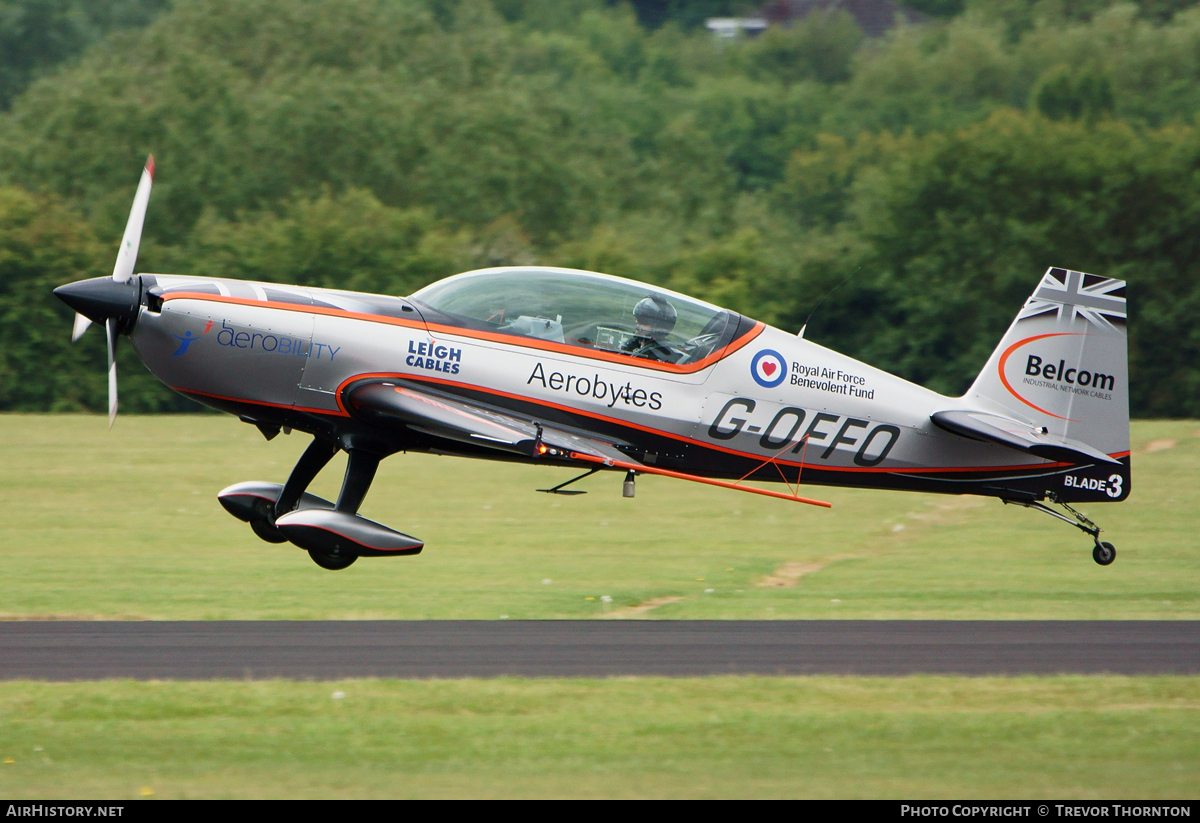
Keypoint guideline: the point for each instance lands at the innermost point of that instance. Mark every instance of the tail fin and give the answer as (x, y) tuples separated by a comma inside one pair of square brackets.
[(1063, 363)]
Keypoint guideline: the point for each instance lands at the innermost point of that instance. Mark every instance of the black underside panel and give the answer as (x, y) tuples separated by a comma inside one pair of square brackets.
[(1088, 482)]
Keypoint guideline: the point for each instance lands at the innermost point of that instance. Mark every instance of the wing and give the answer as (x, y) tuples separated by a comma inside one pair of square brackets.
[(466, 422), (996, 429)]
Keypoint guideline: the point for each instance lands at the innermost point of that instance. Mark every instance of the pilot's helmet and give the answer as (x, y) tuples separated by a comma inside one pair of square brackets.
[(654, 314)]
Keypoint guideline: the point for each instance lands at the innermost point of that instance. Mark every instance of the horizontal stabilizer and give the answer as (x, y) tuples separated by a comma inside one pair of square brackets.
[(993, 428)]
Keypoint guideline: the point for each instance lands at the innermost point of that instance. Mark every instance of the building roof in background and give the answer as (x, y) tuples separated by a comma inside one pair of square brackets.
[(735, 26)]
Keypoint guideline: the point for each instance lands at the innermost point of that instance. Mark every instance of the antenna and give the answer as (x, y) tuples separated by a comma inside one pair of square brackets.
[(822, 300)]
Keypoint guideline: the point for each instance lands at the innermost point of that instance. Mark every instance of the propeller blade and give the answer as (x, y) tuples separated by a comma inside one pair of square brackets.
[(81, 325), (127, 254), (110, 326)]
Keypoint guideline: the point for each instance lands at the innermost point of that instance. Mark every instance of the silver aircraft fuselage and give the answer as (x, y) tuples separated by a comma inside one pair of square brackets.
[(572, 368), (764, 404)]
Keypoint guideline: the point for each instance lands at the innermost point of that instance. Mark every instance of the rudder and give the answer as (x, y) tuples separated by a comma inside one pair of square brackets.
[(1063, 365)]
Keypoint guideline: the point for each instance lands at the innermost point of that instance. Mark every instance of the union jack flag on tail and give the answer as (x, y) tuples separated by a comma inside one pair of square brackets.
[(1074, 295)]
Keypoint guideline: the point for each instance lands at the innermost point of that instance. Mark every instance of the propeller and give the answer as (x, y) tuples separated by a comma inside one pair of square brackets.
[(81, 325), (95, 301), (110, 331), (127, 254)]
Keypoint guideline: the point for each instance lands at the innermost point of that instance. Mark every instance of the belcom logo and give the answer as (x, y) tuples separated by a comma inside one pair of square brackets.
[(1075, 377), (1043, 370)]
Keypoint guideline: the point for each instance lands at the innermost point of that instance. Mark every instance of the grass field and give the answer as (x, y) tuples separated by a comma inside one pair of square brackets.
[(924, 737), (125, 524)]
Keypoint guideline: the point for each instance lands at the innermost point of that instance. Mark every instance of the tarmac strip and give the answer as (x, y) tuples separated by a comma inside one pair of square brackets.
[(204, 650)]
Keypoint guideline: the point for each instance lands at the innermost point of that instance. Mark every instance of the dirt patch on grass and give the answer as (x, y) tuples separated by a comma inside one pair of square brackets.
[(960, 501), (640, 609), (946, 509), (1159, 445), (789, 575)]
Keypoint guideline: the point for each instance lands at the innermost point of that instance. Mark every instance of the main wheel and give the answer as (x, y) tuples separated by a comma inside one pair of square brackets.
[(262, 521), (333, 562), (266, 530), (1104, 553)]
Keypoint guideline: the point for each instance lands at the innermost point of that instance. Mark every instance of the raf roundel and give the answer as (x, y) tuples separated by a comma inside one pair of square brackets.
[(768, 369)]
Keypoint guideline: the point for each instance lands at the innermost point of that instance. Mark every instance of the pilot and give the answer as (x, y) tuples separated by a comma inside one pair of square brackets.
[(653, 319)]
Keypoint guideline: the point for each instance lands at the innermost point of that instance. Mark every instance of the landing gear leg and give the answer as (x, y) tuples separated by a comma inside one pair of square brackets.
[(264, 512), (360, 471), (1103, 553), (315, 457)]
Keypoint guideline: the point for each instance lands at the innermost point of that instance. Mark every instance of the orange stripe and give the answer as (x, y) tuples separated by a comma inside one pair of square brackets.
[(1017, 345), (714, 446), (670, 435), (698, 479), (341, 413), (274, 304), (519, 342), (400, 376)]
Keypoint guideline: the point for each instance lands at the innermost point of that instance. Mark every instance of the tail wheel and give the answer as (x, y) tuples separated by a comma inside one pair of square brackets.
[(1104, 553), (329, 560)]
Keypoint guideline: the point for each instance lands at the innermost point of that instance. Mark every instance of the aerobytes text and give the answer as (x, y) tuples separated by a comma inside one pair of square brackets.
[(275, 344), (433, 357), (596, 387)]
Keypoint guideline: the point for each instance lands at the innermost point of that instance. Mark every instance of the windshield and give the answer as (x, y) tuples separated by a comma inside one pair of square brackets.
[(591, 311)]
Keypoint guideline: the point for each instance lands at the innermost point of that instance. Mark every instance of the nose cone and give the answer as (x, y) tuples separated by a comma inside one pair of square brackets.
[(102, 298)]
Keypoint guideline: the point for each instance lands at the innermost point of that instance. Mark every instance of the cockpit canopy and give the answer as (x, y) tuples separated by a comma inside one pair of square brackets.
[(575, 308)]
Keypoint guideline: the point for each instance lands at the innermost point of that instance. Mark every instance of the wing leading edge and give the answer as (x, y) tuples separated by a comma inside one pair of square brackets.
[(464, 422)]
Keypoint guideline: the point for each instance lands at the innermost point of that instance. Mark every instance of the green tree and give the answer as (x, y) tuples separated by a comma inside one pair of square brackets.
[(819, 47), (1064, 93), (952, 236), (44, 244), (917, 184), (347, 241), (37, 35)]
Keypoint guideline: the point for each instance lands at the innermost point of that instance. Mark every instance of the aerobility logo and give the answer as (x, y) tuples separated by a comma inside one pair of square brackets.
[(187, 340), (274, 343), (230, 336), (767, 368)]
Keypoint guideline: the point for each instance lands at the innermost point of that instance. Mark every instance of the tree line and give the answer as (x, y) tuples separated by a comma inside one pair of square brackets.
[(910, 189)]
